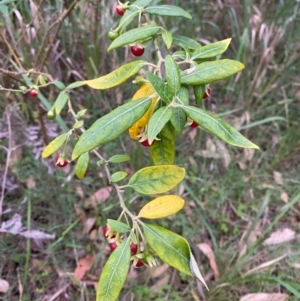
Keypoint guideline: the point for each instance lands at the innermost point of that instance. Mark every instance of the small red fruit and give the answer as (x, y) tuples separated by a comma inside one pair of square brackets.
[(138, 264), (60, 162), (146, 143), (137, 50), (119, 10), (33, 93), (133, 248), (206, 94), (194, 124), (105, 230), (113, 245)]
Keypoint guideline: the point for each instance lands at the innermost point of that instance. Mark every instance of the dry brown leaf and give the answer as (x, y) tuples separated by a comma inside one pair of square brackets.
[(208, 252), (88, 225), (84, 266), (280, 236), (4, 286), (264, 297), (278, 177), (284, 196), (160, 283), (192, 134), (158, 270), (98, 197), (30, 182)]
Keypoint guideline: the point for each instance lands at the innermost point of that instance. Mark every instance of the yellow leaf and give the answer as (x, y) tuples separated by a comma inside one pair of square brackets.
[(162, 206), (54, 145), (145, 91)]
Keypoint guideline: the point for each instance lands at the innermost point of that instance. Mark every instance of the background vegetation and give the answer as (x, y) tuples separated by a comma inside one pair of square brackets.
[(235, 198)]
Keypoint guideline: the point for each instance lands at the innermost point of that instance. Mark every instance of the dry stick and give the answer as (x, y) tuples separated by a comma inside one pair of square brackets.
[(59, 24), (8, 155), (28, 72)]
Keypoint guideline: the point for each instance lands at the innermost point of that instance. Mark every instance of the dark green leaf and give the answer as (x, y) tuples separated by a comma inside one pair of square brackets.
[(163, 150), (82, 165), (118, 159), (134, 35), (218, 127), (158, 121), (160, 87), (167, 38), (170, 247), (168, 10), (111, 126), (199, 91), (118, 176), (61, 102), (183, 40), (114, 273), (211, 50), (209, 72), (156, 179), (118, 226), (172, 74)]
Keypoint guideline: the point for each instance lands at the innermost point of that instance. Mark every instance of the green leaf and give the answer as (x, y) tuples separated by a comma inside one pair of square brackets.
[(167, 38), (209, 72), (211, 50), (76, 85), (218, 127), (167, 10), (54, 145), (114, 273), (59, 85), (78, 124), (118, 226), (163, 150), (199, 91), (111, 126), (132, 12), (156, 179), (117, 76), (118, 176), (80, 113), (82, 165), (162, 206), (134, 35), (183, 40), (178, 118), (172, 74), (60, 102), (118, 159), (180, 54), (159, 86), (170, 247), (157, 122)]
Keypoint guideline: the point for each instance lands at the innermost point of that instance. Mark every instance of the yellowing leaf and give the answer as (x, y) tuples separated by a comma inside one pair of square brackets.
[(54, 145), (162, 206), (117, 76), (144, 91)]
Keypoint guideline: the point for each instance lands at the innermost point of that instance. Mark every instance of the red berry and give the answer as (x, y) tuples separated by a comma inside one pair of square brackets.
[(206, 94), (133, 248), (138, 264), (105, 230), (113, 245), (146, 143), (194, 124), (33, 93), (137, 50), (60, 162), (119, 10)]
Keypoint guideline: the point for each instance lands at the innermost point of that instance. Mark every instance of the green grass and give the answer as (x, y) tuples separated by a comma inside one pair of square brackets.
[(225, 205)]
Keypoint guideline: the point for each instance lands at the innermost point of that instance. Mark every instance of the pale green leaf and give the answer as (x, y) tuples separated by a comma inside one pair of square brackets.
[(117, 76), (78, 124), (209, 72), (168, 10), (195, 269), (211, 50), (134, 35), (218, 127), (167, 38), (114, 273), (111, 126), (180, 40), (162, 207), (60, 102), (54, 145), (157, 122), (118, 226), (59, 85), (76, 85), (172, 74), (156, 179), (163, 150), (118, 176), (118, 159), (82, 165)]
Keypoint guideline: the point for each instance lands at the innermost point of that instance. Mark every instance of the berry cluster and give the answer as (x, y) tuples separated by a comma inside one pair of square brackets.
[(114, 242)]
